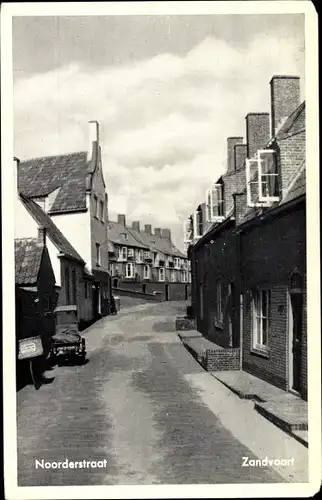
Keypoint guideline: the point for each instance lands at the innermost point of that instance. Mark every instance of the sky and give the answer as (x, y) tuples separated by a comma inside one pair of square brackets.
[(166, 90)]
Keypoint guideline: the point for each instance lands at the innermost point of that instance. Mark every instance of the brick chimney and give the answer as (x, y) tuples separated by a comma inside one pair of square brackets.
[(240, 151), (148, 229), (231, 143), (166, 234), (136, 225), (121, 219), (257, 131), (157, 232), (16, 163), (285, 98), (240, 206), (93, 137), (42, 235)]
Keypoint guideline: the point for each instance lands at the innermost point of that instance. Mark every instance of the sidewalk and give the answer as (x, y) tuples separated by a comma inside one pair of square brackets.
[(284, 409)]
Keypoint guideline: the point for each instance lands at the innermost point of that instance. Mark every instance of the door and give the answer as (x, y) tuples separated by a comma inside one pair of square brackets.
[(95, 300), (233, 338), (296, 305), (166, 292)]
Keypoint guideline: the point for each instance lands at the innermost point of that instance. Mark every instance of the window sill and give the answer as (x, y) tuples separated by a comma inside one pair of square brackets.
[(263, 353)]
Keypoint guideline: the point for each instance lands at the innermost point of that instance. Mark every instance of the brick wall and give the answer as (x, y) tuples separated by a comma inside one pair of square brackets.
[(231, 143), (233, 182), (176, 291), (270, 253), (285, 97), (222, 359), (257, 132), (291, 154), (240, 155)]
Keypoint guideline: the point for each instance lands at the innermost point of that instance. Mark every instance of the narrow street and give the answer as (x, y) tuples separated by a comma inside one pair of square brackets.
[(147, 407)]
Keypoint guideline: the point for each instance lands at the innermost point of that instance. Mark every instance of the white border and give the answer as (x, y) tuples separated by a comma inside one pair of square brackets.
[(313, 250)]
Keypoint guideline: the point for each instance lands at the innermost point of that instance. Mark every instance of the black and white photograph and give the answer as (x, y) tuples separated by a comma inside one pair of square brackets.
[(161, 250)]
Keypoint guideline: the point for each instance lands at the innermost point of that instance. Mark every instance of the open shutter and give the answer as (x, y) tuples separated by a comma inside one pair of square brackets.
[(208, 206), (187, 230), (252, 181), (214, 202), (268, 176)]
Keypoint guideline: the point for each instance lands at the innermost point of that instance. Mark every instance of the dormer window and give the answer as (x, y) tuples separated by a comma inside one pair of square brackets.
[(262, 179), (198, 223), (215, 203), (124, 236), (188, 231)]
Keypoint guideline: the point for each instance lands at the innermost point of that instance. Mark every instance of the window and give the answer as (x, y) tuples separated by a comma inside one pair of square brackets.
[(146, 272), (215, 203), (172, 276), (147, 255), (95, 206), (140, 256), (102, 218), (176, 262), (74, 285), (161, 274), (98, 254), (260, 318), (183, 276), (188, 232), (124, 236), (124, 253), (198, 223), (219, 303), (262, 178), (130, 252), (67, 288), (129, 270)]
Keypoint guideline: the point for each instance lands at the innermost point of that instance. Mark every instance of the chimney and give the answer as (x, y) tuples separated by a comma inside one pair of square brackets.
[(231, 143), (257, 130), (240, 206), (16, 163), (166, 234), (136, 225), (285, 98), (93, 137), (148, 229), (157, 232), (121, 219), (42, 235), (240, 155)]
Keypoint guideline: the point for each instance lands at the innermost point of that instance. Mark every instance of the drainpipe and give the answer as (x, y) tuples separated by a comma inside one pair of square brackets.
[(241, 330)]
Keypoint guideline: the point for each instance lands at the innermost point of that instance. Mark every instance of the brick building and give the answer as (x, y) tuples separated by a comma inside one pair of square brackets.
[(249, 269), (147, 262), (70, 188)]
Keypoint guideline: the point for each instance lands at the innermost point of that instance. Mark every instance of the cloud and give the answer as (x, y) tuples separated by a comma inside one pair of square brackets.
[(164, 121)]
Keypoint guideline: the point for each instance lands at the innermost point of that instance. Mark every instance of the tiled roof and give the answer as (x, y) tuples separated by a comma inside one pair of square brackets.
[(41, 176), (28, 255), (294, 123), (141, 240), (54, 234), (115, 232), (297, 187)]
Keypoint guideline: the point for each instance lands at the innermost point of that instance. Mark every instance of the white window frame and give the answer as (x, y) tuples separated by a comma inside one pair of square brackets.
[(124, 253), (176, 262), (208, 206), (146, 275), (261, 196), (188, 232), (261, 201), (140, 256), (258, 317), (147, 254), (172, 276), (216, 202), (196, 225), (183, 277), (130, 252), (131, 266), (161, 271)]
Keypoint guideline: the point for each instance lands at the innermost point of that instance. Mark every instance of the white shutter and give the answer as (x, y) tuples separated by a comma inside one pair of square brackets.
[(268, 176), (208, 206), (214, 202), (252, 181)]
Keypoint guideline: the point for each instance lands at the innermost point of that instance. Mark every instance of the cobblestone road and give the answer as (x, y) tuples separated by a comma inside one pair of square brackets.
[(134, 404)]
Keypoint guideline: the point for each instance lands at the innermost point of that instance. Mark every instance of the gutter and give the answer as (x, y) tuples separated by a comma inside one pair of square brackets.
[(257, 220), (70, 257), (212, 232)]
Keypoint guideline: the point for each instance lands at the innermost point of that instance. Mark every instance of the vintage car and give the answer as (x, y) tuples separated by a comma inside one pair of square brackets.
[(67, 341)]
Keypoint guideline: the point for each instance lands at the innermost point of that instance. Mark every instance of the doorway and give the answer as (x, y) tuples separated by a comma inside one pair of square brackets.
[(295, 331), (166, 292), (233, 337), (95, 301)]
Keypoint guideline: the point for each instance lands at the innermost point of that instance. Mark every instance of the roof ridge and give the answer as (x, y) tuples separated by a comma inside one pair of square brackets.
[(33, 158)]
